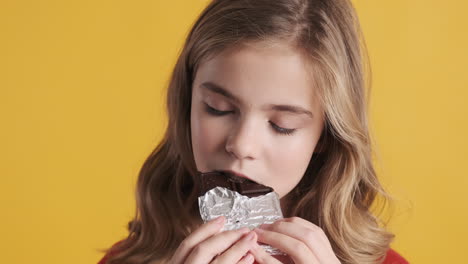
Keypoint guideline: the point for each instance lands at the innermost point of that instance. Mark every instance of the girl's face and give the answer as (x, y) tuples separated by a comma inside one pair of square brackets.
[(253, 112)]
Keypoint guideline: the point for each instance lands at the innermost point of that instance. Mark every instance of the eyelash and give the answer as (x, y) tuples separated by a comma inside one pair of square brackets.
[(278, 129)]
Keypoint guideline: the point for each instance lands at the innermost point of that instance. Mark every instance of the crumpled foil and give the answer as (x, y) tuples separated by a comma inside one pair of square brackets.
[(241, 211)]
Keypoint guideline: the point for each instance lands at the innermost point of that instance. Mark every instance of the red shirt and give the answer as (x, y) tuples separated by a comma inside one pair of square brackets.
[(392, 258)]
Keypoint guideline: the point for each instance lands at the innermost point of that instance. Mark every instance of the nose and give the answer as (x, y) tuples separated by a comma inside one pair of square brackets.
[(241, 142)]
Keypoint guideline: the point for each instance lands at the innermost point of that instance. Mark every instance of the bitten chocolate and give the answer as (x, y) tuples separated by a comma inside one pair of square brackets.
[(243, 202), (247, 187)]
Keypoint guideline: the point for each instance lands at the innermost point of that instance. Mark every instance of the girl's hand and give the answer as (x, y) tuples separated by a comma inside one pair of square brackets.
[(303, 241), (207, 245)]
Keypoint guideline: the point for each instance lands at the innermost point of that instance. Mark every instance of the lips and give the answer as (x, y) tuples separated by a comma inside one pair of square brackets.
[(236, 174)]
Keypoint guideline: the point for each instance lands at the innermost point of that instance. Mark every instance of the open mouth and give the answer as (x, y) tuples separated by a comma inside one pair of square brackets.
[(238, 174)]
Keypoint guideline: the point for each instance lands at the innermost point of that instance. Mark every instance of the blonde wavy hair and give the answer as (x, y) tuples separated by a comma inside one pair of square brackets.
[(340, 183)]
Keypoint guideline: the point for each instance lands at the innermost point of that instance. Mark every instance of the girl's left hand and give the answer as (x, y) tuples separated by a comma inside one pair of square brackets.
[(303, 241)]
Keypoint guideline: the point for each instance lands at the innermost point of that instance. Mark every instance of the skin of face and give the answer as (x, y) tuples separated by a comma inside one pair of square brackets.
[(244, 134)]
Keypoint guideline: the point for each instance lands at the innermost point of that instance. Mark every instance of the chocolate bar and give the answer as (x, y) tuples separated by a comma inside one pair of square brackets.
[(247, 187), (242, 201)]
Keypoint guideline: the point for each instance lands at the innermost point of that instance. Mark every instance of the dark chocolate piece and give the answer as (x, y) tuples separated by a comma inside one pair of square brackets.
[(247, 187)]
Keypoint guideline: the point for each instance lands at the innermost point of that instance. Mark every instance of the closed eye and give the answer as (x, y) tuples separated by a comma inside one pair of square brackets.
[(280, 130), (216, 112)]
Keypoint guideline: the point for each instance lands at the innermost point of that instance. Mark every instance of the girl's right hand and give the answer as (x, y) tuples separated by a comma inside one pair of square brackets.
[(207, 245)]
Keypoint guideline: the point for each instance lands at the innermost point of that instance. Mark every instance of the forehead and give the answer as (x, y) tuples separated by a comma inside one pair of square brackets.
[(259, 74)]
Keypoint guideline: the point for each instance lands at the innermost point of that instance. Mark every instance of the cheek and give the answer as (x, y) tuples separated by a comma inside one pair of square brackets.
[(289, 164), (206, 139)]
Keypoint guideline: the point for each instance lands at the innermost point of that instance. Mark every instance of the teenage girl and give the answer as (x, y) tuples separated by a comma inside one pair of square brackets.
[(275, 91)]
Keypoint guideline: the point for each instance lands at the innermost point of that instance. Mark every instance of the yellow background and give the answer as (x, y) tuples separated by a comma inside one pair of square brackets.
[(81, 93)]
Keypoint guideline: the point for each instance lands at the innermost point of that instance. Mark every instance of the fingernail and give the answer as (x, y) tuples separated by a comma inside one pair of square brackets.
[(249, 258), (219, 220), (258, 230), (243, 230), (250, 236)]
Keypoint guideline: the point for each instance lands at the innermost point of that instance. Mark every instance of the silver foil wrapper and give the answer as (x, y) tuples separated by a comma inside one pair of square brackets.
[(241, 211)]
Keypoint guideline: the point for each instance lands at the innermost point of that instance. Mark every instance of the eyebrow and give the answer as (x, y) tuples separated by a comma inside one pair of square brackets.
[(282, 108)]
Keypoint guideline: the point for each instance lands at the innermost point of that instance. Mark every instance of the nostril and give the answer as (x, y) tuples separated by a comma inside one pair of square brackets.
[(230, 151)]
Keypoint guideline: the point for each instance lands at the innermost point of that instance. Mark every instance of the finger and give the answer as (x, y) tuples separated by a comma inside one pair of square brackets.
[(296, 249), (309, 225), (303, 222), (248, 259), (261, 257), (312, 238), (202, 233), (205, 251), (239, 249)]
